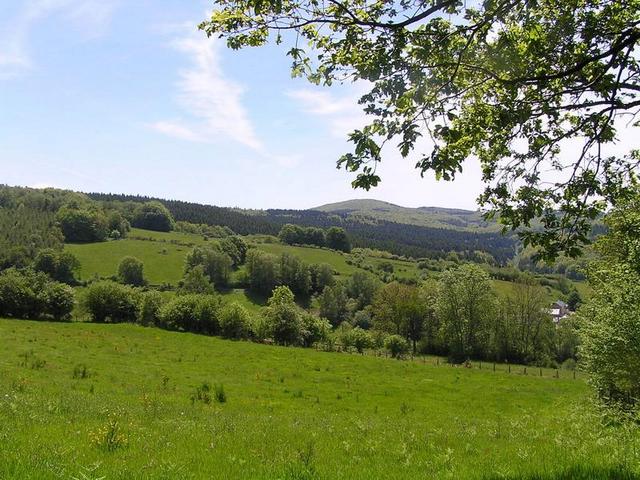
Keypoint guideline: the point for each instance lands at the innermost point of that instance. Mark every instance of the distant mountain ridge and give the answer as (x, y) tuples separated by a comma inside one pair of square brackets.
[(370, 223), (433, 217)]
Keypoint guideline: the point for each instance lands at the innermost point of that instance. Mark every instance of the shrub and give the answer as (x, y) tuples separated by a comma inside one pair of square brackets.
[(609, 330), (196, 281), (21, 293), (29, 294), (60, 266), (202, 394), (216, 264), (80, 371), (60, 300), (282, 317), (378, 338), (150, 305), (359, 339), (192, 313), (235, 321), (314, 329), (82, 225), (153, 216), (396, 345), (110, 302), (110, 437), (130, 272), (219, 393), (362, 319)]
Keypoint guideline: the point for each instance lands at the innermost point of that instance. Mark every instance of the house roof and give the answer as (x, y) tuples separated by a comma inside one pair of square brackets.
[(560, 303)]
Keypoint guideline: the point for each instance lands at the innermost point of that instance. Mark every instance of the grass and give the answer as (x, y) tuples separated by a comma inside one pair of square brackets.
[(401, 268), (163, 262), (122, 402), (312, 255), (163, 256), (175, 237), (252, 302)]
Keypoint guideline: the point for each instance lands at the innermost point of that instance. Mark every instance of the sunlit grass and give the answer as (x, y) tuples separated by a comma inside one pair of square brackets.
[(133, 411)]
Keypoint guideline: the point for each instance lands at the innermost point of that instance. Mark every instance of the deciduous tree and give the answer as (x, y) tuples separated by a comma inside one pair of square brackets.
[(508, 83)]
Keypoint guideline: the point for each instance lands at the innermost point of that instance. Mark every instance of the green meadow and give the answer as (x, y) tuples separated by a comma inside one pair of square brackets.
[(83, 401), (163, 256), (313, 255), (163, 262)]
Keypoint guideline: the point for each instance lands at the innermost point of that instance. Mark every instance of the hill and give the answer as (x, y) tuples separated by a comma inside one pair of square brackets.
[(424, 238), (122, 401), (163, 255), (434, 217)]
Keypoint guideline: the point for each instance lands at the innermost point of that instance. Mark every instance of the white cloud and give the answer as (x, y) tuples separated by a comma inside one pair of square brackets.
[(211, 99), (176, 130), (343, 114), (91, 17)]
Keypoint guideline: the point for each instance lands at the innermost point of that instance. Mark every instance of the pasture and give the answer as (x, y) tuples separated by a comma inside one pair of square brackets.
[(163, 262), (95, 401)]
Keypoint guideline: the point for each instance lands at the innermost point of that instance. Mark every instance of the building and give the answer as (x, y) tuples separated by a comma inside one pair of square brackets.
[(559, 310)]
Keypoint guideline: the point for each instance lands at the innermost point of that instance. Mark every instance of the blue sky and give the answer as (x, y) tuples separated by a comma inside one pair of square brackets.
[(127, 96)]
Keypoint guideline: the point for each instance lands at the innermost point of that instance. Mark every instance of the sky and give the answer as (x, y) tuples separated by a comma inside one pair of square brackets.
[(127, 96)]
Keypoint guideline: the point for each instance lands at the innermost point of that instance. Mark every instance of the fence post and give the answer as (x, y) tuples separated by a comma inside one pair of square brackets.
[(525, 370), (557, 373), (509, 367), (540, 371), (494, 366), (574, 374)]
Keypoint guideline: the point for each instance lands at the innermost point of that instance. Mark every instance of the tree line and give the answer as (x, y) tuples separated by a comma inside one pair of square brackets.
[(402, 239)]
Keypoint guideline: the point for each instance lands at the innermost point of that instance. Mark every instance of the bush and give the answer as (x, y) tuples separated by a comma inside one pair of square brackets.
[(21, 293), (282, 317), (130, 272), (196, 281), (150, 306), (110, 302), (192, 313), (609, 330), (359, 339), (153, 216), (29, 294), (314, 329), (219, 393), (60, 266), (215, 264), (81, 225), (60, 300), (396, 345), (235, 321), (362, 319)]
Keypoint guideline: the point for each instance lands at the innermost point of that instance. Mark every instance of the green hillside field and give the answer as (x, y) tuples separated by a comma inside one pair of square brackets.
[(163, 261), (163, 256), (92, 401)]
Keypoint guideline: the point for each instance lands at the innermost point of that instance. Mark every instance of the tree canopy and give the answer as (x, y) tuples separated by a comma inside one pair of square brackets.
[(507, 82)]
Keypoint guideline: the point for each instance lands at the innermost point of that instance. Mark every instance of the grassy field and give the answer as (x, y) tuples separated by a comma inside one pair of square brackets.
[(93, 401), (163, 262), (175, 237), (312, 255), (163, 256)]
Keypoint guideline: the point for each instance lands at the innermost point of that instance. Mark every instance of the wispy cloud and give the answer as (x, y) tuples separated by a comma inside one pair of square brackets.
[(211, 100), (91, 17), (342, 113)]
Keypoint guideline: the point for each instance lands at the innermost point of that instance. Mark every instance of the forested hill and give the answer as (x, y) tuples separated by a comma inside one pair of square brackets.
[(435, 217), (399, 236)]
